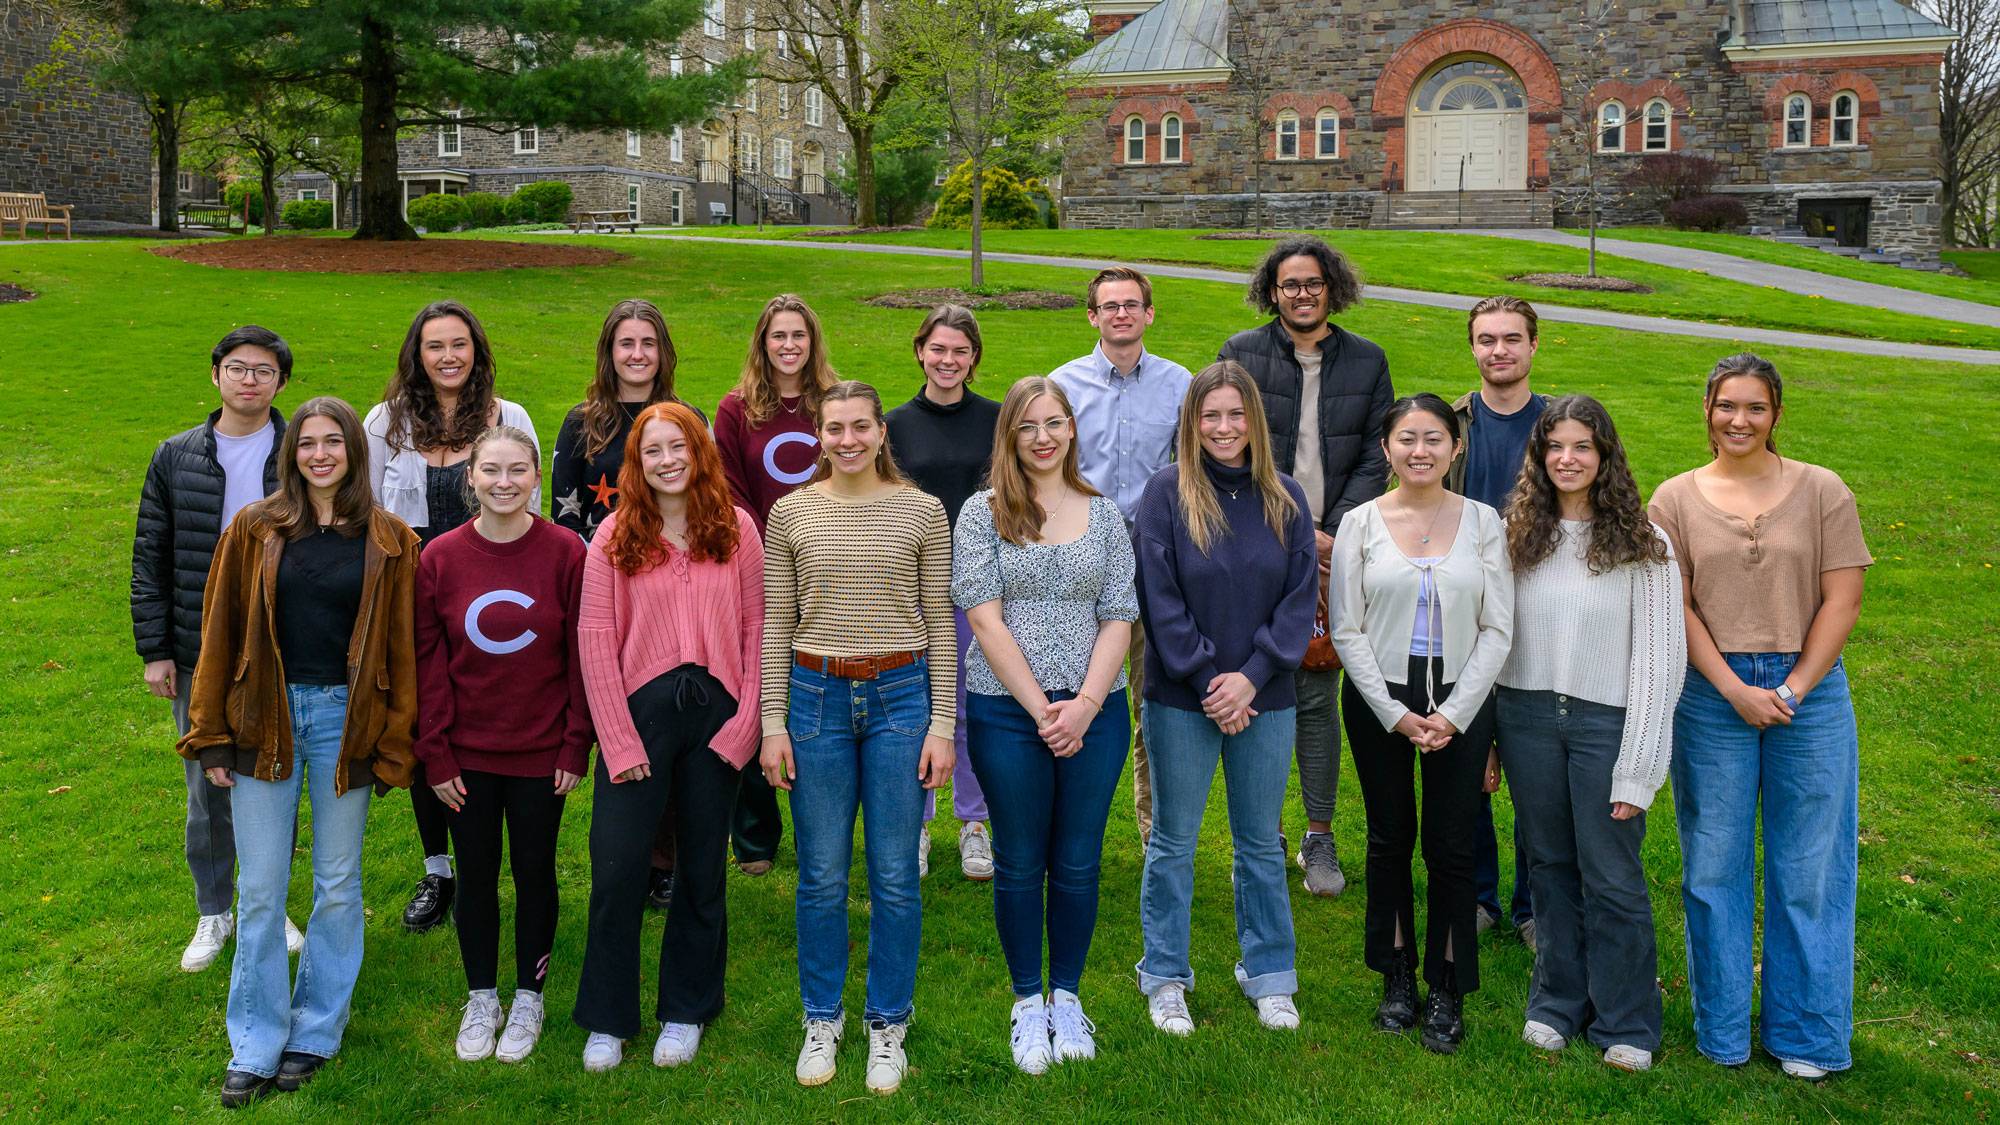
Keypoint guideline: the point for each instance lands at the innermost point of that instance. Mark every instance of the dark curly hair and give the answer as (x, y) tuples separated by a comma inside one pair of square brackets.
[(416, 418), (1343, 284), (1620, 533)]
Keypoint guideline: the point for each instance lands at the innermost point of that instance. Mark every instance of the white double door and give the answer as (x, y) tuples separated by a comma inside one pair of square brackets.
[(1476, 151)]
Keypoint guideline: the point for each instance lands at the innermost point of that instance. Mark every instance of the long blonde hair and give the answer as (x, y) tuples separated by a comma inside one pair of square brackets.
[(758, 385), (1199, 507), (1016, 515)]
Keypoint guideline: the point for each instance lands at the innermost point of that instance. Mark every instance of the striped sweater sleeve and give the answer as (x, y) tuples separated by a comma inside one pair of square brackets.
[(1659, 664), (781, 615), (934, 578)]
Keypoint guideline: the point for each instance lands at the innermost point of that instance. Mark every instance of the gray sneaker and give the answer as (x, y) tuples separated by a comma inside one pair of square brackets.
[(1484, 920), (1321, 864), (1526, 932)]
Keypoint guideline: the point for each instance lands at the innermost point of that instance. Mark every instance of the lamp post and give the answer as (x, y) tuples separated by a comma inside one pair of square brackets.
[(735, 138)]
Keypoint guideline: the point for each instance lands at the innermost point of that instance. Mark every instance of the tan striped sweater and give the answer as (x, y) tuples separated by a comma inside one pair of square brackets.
[(845, 577)]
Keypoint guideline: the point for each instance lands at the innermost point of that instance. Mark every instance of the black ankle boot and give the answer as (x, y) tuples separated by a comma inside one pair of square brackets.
[(430, 904), (1444, 1025), (1398, 1011)]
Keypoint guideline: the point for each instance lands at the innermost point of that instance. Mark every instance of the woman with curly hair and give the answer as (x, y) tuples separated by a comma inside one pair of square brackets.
[(635, 369), (1586, 705)]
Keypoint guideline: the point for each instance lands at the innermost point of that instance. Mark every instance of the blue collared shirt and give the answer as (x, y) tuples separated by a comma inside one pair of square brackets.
[(1125, 421)]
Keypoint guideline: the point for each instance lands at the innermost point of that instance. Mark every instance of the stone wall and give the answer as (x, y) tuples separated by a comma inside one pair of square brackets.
[(72, 142), (1282, 210)]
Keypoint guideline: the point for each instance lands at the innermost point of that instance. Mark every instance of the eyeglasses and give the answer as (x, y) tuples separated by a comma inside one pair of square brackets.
[(1114, 308), (262, 373), (1312, 287), (1054, 427)]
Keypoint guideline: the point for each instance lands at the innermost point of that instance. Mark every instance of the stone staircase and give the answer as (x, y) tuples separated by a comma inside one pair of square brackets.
[(1433, 210), (1796, 236)]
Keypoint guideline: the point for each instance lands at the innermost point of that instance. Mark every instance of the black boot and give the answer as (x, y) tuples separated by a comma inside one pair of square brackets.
[(240, 1088), (296, 1068), (430, 904), (1444, 1026), (660, 888), (1398, 1011)]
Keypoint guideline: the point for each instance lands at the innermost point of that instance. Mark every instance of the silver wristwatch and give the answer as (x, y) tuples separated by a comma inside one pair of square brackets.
[(1784, 692)]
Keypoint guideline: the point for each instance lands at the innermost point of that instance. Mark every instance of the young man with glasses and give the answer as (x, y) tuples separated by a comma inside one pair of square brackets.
[(1127, 403), (197, 482), (1326, 392)]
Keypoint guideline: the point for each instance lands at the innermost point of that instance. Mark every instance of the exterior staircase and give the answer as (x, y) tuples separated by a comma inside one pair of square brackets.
[(1432, 210), (1798, 236)]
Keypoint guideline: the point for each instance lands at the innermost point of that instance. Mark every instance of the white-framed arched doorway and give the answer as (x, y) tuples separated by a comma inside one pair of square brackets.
[(1468, 128)]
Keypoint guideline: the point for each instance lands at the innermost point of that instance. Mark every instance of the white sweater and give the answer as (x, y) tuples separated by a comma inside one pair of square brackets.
[(398, 475), (1618, 639)]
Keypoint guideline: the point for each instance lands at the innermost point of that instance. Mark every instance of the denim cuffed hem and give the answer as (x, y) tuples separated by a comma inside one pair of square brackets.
[(873, 1017), (316, 1052), (1282, 983), (837, 1012), (1744, 1058), (256, 1070), (1829, 1067), (1149, 983)]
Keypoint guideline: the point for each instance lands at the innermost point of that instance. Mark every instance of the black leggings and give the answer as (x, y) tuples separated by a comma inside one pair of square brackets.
[(533, 814), (433, 822)]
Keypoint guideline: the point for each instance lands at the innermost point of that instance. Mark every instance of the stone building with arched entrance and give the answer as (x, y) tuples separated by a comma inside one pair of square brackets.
[(1820, 112)]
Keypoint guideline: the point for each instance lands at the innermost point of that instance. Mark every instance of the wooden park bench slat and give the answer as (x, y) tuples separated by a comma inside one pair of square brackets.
[(22, 208), (600, 221)]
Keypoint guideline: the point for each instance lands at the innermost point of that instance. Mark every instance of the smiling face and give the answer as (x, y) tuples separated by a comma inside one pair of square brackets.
[(504, 476), (665, 458), (1573, 458), (947, 357), (1122, 314), (1741, 415), (1224, 426), (1503, 348), (1420, 448), (445, 347), (635, 356), (1043, 436), (787, 344), (851, 434), (1302, 310), (249, 379), (322, 455)]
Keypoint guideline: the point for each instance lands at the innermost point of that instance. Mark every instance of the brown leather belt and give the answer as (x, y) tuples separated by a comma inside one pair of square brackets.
[(855, 667)]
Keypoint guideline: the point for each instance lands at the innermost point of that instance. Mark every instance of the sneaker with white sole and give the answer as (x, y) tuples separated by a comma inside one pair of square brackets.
[(975, 852), (476, 1032), (886, 1061), (1526, 932), (524, 1027), (677, 1043), (1278, 1013), (1800, 1069), (1169, 1010), (295, 941), (1542, 1037), (1624, 1056), (602, 1052), (923, 851), (1070, 1031), (816, 1057), (1030, 1034), (1321, 863), (211, 932)]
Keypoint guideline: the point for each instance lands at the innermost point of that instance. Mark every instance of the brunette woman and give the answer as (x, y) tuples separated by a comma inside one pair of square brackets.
[(861, 663), (1043, 566), (1425, 603), (765, 433), (419, 439), (944, 439), (671, 633), (1585, 709), (307, 686), (1228, 588), (1772, 559), (504, 729)]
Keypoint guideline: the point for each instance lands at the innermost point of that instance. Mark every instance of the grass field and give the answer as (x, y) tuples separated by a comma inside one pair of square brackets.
[(96, 1021), (1978, 287)]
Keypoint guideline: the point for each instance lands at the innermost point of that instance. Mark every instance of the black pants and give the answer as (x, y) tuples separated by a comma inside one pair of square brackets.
[(1451, 795), (432, 825), (533, 815), (677, 714), (756, 828)]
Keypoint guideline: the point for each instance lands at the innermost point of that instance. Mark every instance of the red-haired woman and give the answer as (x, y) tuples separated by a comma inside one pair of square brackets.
[(671, 629)]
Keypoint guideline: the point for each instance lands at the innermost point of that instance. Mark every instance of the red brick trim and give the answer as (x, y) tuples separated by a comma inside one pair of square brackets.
[(1102, 26), (1820, 89), (1512, 46), (1308, 107), (1151, 110), (1634, 96)]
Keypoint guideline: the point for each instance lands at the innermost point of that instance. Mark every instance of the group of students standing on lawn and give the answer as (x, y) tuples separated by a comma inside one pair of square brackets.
[(859, 606)]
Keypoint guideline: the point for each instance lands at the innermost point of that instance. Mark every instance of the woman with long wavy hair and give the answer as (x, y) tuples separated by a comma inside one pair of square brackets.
[(670, 630), (635, 369), (1585, 712)]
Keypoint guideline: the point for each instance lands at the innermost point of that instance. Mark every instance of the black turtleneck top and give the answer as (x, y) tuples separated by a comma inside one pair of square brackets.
[(945, 449)]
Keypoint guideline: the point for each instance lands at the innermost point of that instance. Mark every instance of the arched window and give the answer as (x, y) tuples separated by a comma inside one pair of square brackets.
[(1135, 140), (1659, 125), (1288, 136), (1611, 127), (1170, 139), (1327, 130), (1846, 115), (1798, 121)]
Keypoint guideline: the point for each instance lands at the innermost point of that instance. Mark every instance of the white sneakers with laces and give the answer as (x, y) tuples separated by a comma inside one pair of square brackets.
[(677, 1043), (1278, 1013), (1169, 1009), (816, 1057), (524, 1027), (602, 1052), (1542, 1037), (886, 1061), (1797, 1068), (211, 932), (476, 1032), (1070, 1031), (923, 851), (1030, 1034), (295, 942), (1625, 1056), (975, 851)]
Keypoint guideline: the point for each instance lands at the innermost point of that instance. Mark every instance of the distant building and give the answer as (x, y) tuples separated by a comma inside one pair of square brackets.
[(75, 143)]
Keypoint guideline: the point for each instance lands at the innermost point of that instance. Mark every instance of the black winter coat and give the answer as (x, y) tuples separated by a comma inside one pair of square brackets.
[(1354, 398), (180, 520)]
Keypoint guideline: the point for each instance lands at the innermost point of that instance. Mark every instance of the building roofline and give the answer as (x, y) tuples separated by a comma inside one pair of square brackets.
[(1928, 45)]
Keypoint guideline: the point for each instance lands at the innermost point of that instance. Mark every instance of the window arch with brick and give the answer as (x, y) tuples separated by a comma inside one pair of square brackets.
[(1827, 124), (1653, 116), (1149, 113), (1320, 118)]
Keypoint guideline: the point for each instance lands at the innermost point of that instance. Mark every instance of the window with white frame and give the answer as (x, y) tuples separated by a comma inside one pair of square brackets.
[(750, 98), (752, 156), (1798, 121), (749, 28), (784, 44), (632, 199), (1287, 147), (784, 100), (309, 193), (184, 181), (674, 64), (631, 142), (815, 103), (527, 138), (1611, 127), (448, 136), (1846, 118), (781, 158), (1135, 140), (674, 212), (1326, 131), (1170, 139), (712, 24), (676, 146), (1659, 125)]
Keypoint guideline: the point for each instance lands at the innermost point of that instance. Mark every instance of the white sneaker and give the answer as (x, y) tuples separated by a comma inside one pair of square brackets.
[(975, 852), (1624, 1056), (1030, 1034), (524, 1027), (816, 1057), (923, 851), (1069, 1029), (295, 940), (481, 1023), (1278, 1013), (211, 931), (1170, 1011), (1799, 1069), (677, 1043), (886, 1061), (602, 1052), (1542, 1037)]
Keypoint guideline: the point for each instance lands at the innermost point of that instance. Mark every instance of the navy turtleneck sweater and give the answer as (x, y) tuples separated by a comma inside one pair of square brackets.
[(945, 449), (1246, 606)]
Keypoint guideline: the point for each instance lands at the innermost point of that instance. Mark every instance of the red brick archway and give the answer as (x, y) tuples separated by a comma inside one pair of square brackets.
[(1511, 46)]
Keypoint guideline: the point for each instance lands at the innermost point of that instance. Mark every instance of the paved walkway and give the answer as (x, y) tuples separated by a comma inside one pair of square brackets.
[(1558, 314)]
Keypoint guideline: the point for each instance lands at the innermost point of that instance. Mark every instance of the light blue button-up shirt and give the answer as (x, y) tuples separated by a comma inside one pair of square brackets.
[(1125, 421)]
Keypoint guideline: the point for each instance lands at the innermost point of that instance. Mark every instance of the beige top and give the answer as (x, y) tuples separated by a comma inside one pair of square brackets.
[(1756, 585), (1306, 467)]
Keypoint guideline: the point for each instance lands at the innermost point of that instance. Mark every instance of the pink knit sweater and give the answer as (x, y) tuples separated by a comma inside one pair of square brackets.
[(632, 628)]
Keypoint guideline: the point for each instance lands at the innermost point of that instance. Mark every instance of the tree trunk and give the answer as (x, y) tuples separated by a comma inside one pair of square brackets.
[(978, 211), (167, 150), (381, 193), (268, 180), (864, 173)]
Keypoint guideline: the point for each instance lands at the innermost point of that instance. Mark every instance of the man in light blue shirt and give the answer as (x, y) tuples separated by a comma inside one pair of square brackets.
[(1127, 403)]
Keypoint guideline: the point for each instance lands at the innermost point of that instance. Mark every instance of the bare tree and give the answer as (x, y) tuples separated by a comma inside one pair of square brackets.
[(840, 49), (1250, 54), (1968, 114)]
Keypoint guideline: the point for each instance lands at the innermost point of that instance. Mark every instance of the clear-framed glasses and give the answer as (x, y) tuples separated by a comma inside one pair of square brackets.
[(1311, 287), (262, 373), (1055, 427), (1114, 308)]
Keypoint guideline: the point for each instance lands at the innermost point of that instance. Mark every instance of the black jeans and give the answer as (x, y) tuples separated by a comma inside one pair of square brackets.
[(1451, 792), (756, 827), (433, 829), (677, 713), (532, 816)]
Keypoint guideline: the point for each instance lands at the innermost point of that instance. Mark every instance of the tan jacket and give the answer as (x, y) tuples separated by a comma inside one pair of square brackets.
[(238, 716)]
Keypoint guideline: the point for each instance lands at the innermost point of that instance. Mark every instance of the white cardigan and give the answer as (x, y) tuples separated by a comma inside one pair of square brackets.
[(397, 474), (1373, 607)]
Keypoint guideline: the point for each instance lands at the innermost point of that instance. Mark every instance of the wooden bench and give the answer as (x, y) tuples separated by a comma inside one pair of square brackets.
[(605, 221), (22, 208), (209, 214)]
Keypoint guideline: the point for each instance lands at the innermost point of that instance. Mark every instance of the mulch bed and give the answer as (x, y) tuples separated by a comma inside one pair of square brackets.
[(932, 298), (345, 255), (843, 232), (12, 293), (1581, 281)]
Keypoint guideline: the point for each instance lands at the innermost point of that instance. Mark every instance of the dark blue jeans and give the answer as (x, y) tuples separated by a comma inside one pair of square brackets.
[(1048, 817), (1486, 863)]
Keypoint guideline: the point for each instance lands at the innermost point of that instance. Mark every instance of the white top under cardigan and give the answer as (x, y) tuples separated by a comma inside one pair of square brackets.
[(1617, 638), (397, 474), (1373, 607)]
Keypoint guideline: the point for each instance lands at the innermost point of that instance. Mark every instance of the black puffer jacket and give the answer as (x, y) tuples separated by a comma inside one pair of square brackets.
[(1354, 398), (180, 519)]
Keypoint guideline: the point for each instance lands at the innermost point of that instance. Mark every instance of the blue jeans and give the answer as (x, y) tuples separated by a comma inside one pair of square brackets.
[(857, 744), (268, 1014), (1486, 864), (1048, 831), (1184, 747), (1808, 775)]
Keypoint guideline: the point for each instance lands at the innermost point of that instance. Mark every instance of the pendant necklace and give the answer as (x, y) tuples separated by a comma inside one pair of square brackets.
[(1432, 526)]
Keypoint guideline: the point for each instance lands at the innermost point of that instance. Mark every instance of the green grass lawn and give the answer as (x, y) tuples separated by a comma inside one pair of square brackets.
[(97, 1022), (1980, 287), (1983, 265)]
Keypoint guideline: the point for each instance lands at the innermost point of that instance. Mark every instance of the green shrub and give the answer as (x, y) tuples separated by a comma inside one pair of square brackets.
[(234, 194), (439, 213), (488, 209), (309, 214), (1008, 203), (544, 201), (1707, 212)]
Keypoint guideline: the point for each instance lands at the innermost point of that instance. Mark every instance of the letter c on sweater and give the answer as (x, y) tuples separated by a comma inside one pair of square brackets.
[(486, 643)]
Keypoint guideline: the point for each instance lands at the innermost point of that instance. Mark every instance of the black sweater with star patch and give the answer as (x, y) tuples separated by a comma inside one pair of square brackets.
[(586, 487)]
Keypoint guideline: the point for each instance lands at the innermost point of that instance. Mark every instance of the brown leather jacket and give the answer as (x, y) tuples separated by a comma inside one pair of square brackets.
[(238, 716)]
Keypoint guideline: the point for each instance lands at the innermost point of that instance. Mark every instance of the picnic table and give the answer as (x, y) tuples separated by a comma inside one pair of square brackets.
[(22, 208), (602, 221)]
